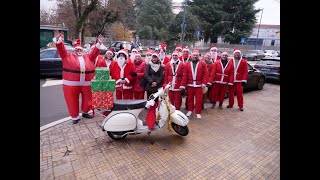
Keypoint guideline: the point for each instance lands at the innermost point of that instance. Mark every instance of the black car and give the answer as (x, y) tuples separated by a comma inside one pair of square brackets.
[(270, 66), (253, 55), (118, 45), (50, 61), (256, 79)]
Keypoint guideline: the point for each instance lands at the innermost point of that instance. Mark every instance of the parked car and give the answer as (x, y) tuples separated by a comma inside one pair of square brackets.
[(270, 53), (50, 61), (270, 66), (253, 55), (278, 53), (118, 45)]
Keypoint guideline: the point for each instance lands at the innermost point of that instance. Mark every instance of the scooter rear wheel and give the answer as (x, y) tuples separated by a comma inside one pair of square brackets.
[(181, 130), (116, 135)]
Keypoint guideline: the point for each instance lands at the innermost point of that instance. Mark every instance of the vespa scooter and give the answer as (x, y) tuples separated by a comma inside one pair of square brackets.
[(129, 116)]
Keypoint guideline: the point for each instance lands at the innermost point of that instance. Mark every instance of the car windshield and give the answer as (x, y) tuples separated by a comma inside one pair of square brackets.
[(253, 51)]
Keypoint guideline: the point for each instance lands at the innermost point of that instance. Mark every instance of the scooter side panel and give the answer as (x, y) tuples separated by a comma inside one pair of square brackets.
[(179, 118), (120, 122)]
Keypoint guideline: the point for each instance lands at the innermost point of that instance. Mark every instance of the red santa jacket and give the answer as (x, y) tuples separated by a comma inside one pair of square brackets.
[(174, 76), (241, 71), (211, 73), (102, 62), (117, 73), (139, 69), (77, 70), (197, 77), (165, 60), (224, 75)]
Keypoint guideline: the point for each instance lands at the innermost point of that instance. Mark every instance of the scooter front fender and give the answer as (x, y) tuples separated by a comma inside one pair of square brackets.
[(122, 121), (179, 118)]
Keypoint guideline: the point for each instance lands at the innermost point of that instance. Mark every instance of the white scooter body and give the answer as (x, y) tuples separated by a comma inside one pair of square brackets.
[(125, 122)]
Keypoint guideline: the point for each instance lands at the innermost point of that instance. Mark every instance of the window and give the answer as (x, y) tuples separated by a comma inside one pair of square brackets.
[(48, 54)]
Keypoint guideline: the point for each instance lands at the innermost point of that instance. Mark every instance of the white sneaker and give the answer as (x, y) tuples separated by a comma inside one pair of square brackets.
[(189, 113), (198, 116)]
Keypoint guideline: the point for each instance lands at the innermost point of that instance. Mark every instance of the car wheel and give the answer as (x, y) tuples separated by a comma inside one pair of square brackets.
[(255, 58), (260, 84)]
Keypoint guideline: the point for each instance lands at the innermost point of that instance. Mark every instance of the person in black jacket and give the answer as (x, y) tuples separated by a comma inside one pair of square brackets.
[(154, 75)]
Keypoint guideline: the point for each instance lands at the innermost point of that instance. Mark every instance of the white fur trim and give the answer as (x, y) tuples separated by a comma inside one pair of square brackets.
[(183, 87), (127, 80), (213, 48), (109, 52), (194, 73), (230, 84), (76, 118), (203, 85), (117, 81), (244, 81), (236, 51), (174, 53), (55, 40), (209, 83), (76, 83), (185, 49), (121, 51), (82, 68)]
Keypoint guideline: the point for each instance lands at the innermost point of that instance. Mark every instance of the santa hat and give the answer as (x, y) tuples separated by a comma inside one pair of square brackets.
[(178, 47), (109, 51), (236, 50), (134, 50), (149, 52), (175, 53), (123, 51), (195, 51), (208, 54), (224, 53), (77, 44), (156, 54), (213, 48), (185, 48), (163, 46)]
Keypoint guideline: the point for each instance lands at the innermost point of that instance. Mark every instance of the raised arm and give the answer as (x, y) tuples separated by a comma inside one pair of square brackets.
[(58, 41), (96, 50)]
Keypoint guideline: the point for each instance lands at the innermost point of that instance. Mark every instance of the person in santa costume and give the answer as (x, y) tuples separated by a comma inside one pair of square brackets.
[(224, 72), (162, 55), (196, 79), (106, 60), (240, 77), (154, 75), (133, 53), (77, 71), (214, 53), (174, 73), (140, 67), (211, 73), (185, 57), (148, 56), (124, 73)]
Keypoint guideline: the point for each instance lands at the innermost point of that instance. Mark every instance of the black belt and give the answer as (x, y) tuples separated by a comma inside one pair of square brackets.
[(78, 72)]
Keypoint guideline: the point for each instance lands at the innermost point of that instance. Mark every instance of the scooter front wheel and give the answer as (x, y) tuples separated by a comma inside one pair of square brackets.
[(116, 135), (181, 130)]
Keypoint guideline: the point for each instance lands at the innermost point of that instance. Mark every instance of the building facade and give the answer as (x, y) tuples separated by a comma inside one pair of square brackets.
[(269, 35)]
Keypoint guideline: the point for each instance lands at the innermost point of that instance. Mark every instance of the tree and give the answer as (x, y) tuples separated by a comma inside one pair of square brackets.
[(119, 32), (156, 14), (229, 18), (193, 25), (81, 10)]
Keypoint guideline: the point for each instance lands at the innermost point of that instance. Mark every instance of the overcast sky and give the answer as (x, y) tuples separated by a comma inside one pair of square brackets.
[(271, 10)]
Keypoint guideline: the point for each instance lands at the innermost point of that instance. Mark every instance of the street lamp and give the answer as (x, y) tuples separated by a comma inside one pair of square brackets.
[(258, 30), (183, 25)]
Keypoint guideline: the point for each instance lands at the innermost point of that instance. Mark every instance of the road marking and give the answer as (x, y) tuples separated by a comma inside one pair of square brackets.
[(52, 82), (58, 122)]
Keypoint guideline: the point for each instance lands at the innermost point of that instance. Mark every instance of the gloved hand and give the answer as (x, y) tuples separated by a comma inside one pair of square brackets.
[(243, 83), (133, 74), (183, 92)]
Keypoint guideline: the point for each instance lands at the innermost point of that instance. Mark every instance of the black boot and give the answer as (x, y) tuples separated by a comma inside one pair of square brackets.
[(229, 106), (213, 104), (220, 105), (86, 115), (75, 121)]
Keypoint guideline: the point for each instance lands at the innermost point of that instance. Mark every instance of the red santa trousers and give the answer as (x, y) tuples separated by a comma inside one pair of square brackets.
[(71, 95), (195, 92), (138, 95), (175, 98), (124, 94), (211, 92), (219, 91), (237, 86)]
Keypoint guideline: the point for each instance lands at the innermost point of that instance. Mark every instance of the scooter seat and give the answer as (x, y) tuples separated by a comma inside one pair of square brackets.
[(128, 104)]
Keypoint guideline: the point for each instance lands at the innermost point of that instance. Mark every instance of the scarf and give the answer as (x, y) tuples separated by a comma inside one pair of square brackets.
[(155, 66)]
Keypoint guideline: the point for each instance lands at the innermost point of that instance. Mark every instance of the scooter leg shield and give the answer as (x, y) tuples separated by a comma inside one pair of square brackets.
[(179, 118), (120, 122)]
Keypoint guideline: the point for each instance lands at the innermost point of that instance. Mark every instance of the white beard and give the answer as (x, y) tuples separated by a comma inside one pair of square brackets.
[(121, 61), (79, 53), (148, 59), (161, 56), (133, 56), (179, 54)]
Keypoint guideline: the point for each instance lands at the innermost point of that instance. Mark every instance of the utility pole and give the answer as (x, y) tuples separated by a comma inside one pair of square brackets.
[(183, 25), (258, 31)]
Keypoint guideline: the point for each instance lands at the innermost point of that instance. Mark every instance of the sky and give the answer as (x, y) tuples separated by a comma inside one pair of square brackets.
[(271, 10)]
